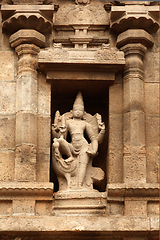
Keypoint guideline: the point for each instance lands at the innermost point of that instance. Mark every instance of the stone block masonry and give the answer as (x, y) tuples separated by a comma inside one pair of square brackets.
[(49, 51)]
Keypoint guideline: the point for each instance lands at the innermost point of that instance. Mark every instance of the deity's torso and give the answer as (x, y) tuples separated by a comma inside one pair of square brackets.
[(76, 129)]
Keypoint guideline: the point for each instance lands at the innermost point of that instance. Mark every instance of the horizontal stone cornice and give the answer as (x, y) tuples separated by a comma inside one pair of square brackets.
[(36, 190), (133, 190)]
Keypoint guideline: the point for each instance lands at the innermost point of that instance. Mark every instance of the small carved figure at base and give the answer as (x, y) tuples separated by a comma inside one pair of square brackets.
[(72, 161)]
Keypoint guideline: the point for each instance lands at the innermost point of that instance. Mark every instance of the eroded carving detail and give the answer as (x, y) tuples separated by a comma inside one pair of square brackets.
[(82, 1), (106, 54), (75, 170)]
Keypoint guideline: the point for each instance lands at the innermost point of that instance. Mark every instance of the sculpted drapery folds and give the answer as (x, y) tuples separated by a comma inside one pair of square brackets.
[(72, 161)]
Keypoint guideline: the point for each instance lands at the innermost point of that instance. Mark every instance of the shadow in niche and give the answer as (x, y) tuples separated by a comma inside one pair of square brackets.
[(94, 103)]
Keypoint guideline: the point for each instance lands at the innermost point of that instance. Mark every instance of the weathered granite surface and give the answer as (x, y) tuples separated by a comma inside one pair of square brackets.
[(49, 51)]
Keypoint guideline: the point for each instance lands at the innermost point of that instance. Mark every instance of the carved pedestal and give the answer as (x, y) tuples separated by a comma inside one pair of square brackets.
[(79, 202)]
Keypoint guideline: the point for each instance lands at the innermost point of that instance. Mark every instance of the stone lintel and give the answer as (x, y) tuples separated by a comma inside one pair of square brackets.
[(85, 226), (27, 36), (140, 190), (135, 36), (34, 190), (101, 60), (80, 75)]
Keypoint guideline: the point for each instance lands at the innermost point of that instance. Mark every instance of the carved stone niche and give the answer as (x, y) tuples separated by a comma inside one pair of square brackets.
[(82, 24), (91, 71)]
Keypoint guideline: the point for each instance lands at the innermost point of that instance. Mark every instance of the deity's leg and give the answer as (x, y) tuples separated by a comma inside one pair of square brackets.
[(65, 149), (83, 161), (68, 178)]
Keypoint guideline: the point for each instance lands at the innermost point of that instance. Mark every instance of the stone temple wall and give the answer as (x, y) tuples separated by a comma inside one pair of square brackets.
[(49, 51)]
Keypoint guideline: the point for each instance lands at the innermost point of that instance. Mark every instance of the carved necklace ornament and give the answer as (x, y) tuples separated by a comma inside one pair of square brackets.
[(82, 2), (72, 161)]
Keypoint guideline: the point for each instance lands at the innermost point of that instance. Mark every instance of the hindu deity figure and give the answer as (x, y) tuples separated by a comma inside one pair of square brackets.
[(72, 161)]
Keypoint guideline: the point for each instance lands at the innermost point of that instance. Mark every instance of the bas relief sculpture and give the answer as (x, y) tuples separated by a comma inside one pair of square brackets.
[(72, 159)]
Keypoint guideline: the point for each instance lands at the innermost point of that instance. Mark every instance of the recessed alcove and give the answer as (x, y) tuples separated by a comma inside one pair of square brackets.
[(96, 100), (90, 71)]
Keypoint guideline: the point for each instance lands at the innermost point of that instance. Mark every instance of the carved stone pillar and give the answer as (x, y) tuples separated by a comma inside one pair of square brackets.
[(27, 24), (35, 20), (134, 158), (26, 43), (133, 39), (134, 44)]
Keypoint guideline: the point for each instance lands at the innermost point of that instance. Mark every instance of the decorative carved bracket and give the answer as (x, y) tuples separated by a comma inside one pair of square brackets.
[(37, 17), (139, 16)]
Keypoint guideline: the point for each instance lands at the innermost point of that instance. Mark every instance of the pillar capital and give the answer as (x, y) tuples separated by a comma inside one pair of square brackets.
[(27, 43), (134, 44), (134, 48), (28, 62), (134, 53), (132, 36), (27, 49), (27, 36)]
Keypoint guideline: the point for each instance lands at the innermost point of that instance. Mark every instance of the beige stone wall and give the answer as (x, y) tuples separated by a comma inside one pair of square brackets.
[(115, 159), (44, 129), (151, 87), (8, 90), (7, 108), (130, 204)]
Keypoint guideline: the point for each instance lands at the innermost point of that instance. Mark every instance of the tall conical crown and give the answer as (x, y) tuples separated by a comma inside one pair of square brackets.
[(78, 100)]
